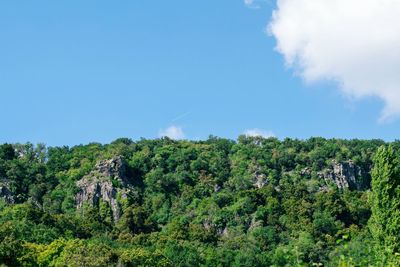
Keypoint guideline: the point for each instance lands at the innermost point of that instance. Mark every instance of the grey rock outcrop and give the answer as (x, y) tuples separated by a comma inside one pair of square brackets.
[(255, 224), (345, 175), (259, 179), (105, 183), (6, 194), (217, 188), (306, 171)]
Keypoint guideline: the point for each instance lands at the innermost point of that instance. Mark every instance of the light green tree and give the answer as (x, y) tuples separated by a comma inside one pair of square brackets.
[(385, 203)]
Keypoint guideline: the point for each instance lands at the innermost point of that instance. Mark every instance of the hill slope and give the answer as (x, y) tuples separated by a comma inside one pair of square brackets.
[(254, 202)]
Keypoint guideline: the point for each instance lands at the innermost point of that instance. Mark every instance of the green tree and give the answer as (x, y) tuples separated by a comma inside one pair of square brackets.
[(385, 205)]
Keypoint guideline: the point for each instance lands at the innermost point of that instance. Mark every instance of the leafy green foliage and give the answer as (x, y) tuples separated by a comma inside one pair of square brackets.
[(254, 202), (385, 198)]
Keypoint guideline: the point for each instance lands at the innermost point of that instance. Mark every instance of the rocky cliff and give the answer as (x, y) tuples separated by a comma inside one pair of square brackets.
[(108, 183), (346, 175)]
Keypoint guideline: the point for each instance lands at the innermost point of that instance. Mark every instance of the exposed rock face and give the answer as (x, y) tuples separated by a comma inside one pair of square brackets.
[(105, 182), (306, 171), (255, 224), (259, 179), (217, 188), (6, 194), (345, 175)]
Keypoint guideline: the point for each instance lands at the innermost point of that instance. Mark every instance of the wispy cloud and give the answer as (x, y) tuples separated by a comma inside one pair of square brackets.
[(256, 3), (173, 132), (258, 132), (251, 4)]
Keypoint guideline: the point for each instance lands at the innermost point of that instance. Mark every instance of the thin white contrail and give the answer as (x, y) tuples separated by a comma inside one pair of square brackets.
[(181, 116)]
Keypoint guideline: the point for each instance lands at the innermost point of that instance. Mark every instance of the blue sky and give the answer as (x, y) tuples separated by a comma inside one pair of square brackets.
[(77, 71)]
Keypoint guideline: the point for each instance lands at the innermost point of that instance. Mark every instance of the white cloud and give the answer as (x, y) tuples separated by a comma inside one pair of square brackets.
[(258, 132), (173, 132), (251, 4), (353, 42)]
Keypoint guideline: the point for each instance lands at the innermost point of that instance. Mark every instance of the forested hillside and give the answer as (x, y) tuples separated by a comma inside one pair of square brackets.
[(250, 202)]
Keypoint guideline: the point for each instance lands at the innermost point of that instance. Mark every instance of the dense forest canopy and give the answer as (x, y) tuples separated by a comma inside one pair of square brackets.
[(250, 202)]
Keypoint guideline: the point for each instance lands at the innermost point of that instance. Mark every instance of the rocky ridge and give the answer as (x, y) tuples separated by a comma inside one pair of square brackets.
[(107, 182)]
